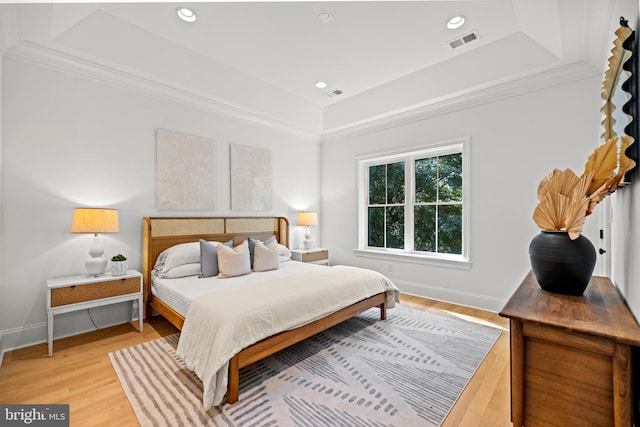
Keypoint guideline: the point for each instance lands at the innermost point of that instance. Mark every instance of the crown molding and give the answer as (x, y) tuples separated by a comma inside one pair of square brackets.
[(146, 85), (464, 100)]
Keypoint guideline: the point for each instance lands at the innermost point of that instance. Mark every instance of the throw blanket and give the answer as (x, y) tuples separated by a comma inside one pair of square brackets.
[(220, 324)]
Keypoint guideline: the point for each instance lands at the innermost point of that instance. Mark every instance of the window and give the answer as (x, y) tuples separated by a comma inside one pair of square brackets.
[(413, 203)]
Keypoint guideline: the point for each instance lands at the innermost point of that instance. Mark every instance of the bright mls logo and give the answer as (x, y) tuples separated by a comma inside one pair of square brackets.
[(34, 415)]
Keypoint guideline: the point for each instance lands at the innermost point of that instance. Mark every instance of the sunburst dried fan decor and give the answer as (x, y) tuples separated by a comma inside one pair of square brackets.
[(566, 199)]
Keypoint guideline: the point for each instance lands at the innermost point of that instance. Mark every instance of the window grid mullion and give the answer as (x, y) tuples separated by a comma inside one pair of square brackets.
[(386, 203), (437, 225), (409, 199)]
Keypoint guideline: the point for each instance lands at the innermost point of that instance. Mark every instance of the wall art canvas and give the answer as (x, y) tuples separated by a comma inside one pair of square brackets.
[(186, 171), (250, 178)]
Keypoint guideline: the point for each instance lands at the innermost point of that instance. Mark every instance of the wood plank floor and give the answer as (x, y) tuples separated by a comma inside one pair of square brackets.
[(80, 373)]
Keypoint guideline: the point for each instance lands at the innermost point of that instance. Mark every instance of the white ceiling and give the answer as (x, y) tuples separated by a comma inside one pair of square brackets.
[(364, 45), (256, 55)]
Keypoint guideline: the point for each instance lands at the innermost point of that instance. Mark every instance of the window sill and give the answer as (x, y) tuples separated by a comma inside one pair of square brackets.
[(414, 258)]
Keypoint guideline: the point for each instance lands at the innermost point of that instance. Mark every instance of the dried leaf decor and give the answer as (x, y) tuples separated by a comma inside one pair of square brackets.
[(566, 199)]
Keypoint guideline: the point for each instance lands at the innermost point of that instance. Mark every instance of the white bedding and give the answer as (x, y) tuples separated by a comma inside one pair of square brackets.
[(179, 293), (237, 313)]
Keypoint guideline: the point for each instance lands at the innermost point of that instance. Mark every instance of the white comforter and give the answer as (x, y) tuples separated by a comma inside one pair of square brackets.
[(220, 324)]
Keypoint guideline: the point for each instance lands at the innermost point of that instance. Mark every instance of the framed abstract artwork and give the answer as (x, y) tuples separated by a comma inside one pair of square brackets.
[(250, 178), (186, 171)]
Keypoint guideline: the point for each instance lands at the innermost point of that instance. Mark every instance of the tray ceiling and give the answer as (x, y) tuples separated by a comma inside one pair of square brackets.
[(265, 57)]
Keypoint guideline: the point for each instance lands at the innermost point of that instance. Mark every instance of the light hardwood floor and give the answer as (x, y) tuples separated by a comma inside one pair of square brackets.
[(80, 373)]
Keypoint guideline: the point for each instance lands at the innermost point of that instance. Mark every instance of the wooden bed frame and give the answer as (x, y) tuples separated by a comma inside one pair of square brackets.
[(159, 234)]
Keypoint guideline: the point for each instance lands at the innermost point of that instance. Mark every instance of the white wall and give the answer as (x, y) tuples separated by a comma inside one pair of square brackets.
[(69, 141), (1, 298), (514, 143)]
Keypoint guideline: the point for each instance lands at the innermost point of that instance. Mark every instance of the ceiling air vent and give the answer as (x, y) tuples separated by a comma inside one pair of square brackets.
[(333, 93), (461, 41)]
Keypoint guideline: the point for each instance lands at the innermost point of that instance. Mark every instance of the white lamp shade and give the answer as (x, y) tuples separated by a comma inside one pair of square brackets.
[(95, 220), (307, 218)]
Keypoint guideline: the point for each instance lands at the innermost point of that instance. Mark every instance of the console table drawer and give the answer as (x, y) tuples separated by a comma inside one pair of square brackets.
[(94, 291)]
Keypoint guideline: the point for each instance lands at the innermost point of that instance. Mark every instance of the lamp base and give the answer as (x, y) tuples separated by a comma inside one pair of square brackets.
[(308, 244), (307, 239), (95, 266)]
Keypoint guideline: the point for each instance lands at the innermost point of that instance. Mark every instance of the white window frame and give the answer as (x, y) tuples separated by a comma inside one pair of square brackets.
[(463, 260)]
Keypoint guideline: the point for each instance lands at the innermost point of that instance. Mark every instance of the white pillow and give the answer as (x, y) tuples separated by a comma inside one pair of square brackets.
[(233, 262), (184, 270), (184, 253), (284, 253), (266, 258), (181, 254)]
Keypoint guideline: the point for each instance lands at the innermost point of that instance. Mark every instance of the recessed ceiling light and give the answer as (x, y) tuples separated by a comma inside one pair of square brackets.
[(186, 14), (321, 85), (324, 18), (455, 22)]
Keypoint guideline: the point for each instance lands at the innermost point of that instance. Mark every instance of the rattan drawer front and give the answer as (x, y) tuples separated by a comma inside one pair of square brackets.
[(315, 256), (94, 291)]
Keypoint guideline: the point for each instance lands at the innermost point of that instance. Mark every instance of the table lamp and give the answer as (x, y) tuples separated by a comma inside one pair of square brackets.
[(307, 218), (95, 220)]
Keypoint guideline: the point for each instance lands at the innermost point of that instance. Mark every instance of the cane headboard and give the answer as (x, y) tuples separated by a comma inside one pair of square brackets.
[(159, 234)]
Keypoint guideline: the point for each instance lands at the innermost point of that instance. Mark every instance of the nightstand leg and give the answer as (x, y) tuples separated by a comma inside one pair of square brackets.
[(140, 313), (50, 332)]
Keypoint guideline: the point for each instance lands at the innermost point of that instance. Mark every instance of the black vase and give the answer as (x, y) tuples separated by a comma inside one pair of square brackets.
[(562, 265)]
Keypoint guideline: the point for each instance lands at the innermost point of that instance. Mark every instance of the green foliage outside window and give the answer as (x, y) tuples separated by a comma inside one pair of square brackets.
[(438, 210), (386, 205)]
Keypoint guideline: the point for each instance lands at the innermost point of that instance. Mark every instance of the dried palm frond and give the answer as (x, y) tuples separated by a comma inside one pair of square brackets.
[(551, 213), (603, 163), (576, 214), (566, 199), (581, 189), (558, 181), (596, 197)]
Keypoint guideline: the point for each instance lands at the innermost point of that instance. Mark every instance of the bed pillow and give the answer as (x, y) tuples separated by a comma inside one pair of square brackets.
[(252, 245), (184, 253), (184, 270), (266, 258), (284, 253), (209, 257), (233, 261)]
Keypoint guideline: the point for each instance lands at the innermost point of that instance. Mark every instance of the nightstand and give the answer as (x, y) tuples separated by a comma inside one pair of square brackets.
[(314, 256), (67, 294)]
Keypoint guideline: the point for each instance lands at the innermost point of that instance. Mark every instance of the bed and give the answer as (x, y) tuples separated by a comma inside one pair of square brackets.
[(160, 234)]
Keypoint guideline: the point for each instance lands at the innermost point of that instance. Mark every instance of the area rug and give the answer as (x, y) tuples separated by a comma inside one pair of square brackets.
[(408, 370)]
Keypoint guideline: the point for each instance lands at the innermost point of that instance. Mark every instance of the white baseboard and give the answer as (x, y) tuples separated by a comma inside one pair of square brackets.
[(466, 299), (65, 325)]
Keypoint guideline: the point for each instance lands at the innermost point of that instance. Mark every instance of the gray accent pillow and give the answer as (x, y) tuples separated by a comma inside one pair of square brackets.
[(209, 258)]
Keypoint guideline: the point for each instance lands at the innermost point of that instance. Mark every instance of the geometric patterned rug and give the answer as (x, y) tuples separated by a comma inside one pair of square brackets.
[(408, 370)]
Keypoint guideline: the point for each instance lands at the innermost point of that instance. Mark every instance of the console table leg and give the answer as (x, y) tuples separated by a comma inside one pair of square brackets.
[(622, 385), (517, 373)]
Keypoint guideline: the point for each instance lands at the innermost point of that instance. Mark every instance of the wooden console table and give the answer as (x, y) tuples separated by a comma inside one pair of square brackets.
[(571, 356)]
